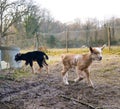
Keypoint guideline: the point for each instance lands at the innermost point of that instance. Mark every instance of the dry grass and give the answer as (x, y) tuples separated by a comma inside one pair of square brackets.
[(107, 71), (55, 54), (107, 67)]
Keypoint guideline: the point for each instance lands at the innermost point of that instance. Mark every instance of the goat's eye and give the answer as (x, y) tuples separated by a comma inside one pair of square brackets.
[(95, 53)]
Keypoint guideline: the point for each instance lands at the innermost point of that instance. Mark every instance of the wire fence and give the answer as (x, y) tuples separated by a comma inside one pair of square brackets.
[(71, 39)]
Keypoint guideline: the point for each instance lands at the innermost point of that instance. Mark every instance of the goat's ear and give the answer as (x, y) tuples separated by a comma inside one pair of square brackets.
[(103, 46), (91, 50), (19, 54)]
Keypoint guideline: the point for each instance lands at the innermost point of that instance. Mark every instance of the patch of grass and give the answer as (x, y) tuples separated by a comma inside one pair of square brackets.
[(2, 77), (18, 74), (110, 69), (113, 50), (58, 51), (52, 62)]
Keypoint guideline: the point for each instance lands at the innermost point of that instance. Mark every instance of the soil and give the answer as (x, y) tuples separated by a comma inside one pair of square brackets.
[(48, 92)]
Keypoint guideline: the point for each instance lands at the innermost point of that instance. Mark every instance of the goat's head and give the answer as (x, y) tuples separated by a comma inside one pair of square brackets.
[(96, 53), (18, 57)]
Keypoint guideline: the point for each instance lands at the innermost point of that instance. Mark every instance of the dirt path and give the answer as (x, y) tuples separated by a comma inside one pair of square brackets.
[(48, 92)]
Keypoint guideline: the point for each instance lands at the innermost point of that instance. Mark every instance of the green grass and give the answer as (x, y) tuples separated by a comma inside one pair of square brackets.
[(18, 74)]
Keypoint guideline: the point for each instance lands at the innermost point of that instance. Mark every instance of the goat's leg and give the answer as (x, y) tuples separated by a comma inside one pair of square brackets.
[(47, 69), (65, 75), (31, 64), (79, 75), (40, 65), (46, 65), (25, 67), (32, 69), (40, 69), (88, 77)]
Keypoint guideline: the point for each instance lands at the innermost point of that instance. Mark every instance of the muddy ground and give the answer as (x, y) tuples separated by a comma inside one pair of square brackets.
[(40, 91)]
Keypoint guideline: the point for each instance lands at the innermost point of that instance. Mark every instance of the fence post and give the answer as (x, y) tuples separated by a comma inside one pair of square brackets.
[(109, 38), (67, 35)]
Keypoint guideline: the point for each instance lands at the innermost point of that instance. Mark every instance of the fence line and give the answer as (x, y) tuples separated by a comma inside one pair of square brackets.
[(75, 39)]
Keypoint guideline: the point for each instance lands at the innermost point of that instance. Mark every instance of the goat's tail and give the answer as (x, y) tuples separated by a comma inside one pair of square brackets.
[(62, 56), (46, 56)]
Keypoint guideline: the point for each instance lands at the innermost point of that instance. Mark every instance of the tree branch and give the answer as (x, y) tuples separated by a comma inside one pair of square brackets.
[(12, 22), (81, 102)]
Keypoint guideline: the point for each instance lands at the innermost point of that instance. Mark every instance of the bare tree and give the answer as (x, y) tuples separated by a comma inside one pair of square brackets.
[(10, 12)]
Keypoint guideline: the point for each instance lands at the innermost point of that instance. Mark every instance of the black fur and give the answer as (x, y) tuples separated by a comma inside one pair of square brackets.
[(29, 57)]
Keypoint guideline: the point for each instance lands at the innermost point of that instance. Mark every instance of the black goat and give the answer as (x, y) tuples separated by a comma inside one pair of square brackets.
[(29, 57)]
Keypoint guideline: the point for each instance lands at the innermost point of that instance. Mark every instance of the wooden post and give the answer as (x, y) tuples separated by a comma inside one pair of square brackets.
[(109, 38), (67, 34)]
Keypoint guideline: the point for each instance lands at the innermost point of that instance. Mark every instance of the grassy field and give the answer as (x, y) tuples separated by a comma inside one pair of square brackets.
[(55, 53), (55, 57)]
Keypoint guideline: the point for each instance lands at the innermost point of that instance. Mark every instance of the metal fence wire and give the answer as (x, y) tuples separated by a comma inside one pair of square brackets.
[(71, 39)]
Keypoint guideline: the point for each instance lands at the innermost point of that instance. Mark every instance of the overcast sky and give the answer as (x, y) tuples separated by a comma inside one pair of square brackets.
[(68, 10)]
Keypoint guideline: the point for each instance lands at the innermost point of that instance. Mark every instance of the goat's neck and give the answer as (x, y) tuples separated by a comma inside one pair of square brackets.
[(88, 58)]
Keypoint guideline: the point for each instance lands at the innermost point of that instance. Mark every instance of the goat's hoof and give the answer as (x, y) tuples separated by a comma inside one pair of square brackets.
[(76, 80), (66, 83), (91, 86)]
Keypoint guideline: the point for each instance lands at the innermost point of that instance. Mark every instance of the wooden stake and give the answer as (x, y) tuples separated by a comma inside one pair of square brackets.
[(109, 38), (81, 102), (67, 34)]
